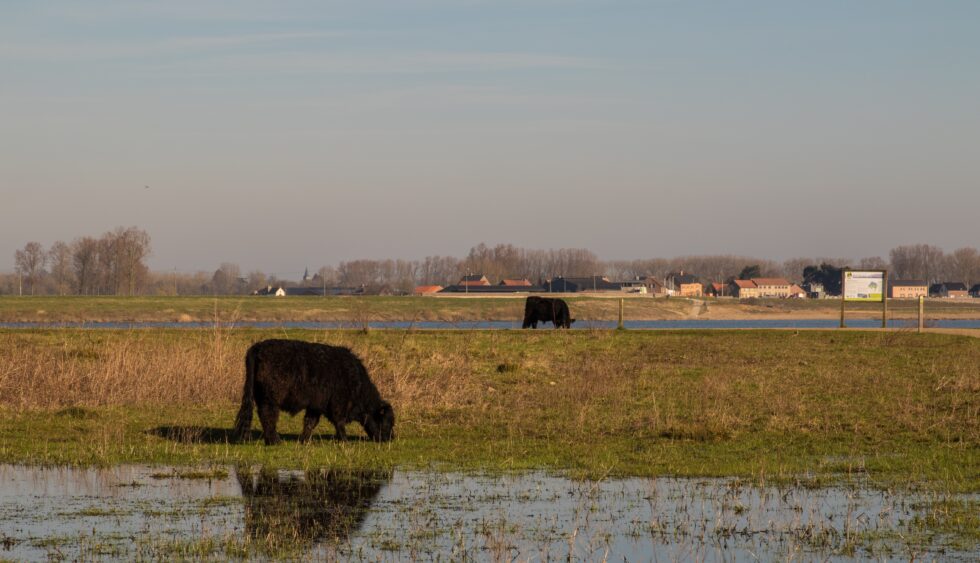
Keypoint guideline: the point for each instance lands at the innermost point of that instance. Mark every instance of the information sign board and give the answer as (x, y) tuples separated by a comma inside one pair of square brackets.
[(864, 285)]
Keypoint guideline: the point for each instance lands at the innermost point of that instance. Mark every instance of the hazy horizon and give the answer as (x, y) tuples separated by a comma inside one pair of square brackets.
[(302, 134)]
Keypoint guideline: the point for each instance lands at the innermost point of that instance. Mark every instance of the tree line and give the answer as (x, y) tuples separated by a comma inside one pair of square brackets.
[(114, 264)]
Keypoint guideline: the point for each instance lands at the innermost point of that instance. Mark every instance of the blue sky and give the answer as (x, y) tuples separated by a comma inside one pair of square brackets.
[(281, 135)]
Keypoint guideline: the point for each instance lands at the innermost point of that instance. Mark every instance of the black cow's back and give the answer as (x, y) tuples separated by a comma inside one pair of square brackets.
[(546, 310)]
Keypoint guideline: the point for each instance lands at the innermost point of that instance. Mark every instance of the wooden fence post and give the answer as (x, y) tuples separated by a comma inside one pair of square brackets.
[(922, 307)]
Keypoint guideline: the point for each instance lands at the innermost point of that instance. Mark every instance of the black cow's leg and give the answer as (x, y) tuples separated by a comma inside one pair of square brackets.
[(339, 429), (339, 424), (269, 417), (310, 420)]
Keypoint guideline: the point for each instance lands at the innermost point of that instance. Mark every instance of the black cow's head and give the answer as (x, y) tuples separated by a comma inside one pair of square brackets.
[(380, 424)]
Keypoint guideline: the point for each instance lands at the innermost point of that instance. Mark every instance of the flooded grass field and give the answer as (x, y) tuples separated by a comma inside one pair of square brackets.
[(151, 512)]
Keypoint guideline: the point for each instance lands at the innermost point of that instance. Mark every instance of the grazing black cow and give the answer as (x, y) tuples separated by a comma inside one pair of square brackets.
[(331, 381), (546, 310)]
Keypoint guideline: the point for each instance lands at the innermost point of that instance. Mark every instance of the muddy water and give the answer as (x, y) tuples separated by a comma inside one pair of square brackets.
[(227, 512)]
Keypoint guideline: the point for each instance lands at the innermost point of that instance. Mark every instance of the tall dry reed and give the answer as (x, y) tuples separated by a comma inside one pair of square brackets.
[(674, 385)]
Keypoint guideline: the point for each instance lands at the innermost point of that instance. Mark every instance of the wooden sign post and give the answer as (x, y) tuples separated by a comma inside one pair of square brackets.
[(884, 299), (864, 285), (922, 310)]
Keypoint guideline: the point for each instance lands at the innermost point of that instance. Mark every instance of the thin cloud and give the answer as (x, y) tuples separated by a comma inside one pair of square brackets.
[(119, 50), (129, 10), (388, 63), (247, 39)]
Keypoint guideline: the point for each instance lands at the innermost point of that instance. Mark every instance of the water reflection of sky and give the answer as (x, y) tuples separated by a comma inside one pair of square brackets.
[(331, 514)]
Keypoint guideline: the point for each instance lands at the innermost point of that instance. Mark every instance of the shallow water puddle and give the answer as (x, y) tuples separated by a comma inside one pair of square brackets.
[(228, 512)]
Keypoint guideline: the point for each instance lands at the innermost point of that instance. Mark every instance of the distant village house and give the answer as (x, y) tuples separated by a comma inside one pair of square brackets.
[(685, 285), (773, 287), (654, 286), (715, 289), (427, 289), (797, 292), (577, 284), (907, 289), (778, 288), (743, 289), (949, 290), (473, 280)]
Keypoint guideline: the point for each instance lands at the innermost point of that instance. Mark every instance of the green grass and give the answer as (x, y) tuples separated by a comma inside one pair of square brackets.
[(248, 308), (895, 409)]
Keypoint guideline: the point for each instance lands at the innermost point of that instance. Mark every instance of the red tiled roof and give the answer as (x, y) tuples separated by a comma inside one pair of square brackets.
[(428, 288), (770, 281), (523, 282), (744, 284)]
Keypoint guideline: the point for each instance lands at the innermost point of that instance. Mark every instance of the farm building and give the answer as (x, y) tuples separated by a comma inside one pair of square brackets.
[(949, 290), (685, 285), (575, 285), (743, 289), (772, 287), (427, 289), (472, 280), (907, 289)]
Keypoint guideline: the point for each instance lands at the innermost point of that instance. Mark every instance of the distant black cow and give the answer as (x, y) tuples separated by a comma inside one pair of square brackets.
[(546, 310), (331, 381)]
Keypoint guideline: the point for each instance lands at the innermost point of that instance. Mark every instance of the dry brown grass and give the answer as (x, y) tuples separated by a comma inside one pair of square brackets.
[(680, 385), (89, 369), (100, 369), (900, 405)]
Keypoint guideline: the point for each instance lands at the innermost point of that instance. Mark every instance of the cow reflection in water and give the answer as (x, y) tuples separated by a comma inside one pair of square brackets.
[(311, 506)]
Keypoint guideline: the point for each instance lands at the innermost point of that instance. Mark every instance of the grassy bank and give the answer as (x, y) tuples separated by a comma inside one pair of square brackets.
[(898, 408), (357, 310)]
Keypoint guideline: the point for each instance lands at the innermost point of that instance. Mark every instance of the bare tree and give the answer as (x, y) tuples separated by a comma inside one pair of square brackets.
[(60, 258), (441, 270), (132, 248), (85, 265), (327, 275), (359, 272), (257, 280), (226, 280), (920, 261), (873, 263), (964, 265), (792, 269), (29, 262)]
